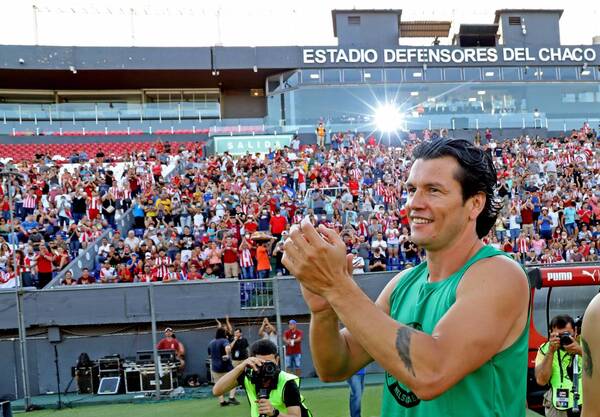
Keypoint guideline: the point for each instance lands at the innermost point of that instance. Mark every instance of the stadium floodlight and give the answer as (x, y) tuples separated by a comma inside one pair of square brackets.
[(388, 118)]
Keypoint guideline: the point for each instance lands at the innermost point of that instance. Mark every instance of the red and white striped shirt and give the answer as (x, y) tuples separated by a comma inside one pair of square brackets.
[(297, 218), (86, 236), (363, 228), (117, 192), (7, 280), (246, 258), (25, 266), (388, 196), (523, 244), (146, 278), (29, 201), (165, 260), (161, 271), (172, 276), (96, 203)]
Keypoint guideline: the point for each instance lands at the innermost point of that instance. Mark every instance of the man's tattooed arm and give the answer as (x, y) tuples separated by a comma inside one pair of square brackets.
[(403, 337), (588, 364)]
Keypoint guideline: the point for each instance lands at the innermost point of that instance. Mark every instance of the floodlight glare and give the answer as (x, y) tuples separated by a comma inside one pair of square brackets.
[(388, 118)]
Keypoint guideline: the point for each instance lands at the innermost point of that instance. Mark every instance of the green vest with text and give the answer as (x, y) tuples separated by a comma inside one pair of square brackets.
[(560, 381), (496, 389), (275, 396)]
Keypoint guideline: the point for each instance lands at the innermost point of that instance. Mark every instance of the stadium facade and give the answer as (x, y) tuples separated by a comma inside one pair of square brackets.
[(512, 73)]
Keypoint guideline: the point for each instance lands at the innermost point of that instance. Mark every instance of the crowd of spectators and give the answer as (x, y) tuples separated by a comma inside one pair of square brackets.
[(59, 208), (227, 217)]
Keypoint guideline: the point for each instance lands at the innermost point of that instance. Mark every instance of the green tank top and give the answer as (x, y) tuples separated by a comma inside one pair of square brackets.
[(498, 388)]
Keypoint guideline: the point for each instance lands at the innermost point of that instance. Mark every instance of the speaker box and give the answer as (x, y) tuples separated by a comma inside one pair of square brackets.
[(132, 381), (5, 409), (87, 380), (149, 384)]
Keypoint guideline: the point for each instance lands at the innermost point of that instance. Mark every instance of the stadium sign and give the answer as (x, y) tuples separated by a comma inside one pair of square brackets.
[(240, 145), (570, 276), (449, 55)]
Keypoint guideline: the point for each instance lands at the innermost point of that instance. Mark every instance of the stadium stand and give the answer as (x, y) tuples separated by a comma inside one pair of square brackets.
[(226, 217)]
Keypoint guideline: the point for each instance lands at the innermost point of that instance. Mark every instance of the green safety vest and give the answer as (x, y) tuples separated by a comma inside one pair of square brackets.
[(275, 396), (560, 379)]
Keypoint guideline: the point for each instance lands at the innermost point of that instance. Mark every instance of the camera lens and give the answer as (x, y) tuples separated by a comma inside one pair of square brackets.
[(565, 339)]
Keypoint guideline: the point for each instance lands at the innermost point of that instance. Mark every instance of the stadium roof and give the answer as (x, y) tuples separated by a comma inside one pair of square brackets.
[(91, 79)]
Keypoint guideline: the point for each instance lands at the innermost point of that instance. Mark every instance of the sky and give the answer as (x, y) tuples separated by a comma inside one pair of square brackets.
[(245, 22)]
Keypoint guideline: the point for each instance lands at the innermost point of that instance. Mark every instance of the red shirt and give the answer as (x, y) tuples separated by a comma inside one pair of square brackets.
[(44, 265), (354, 186), (585, 215), (290, 334), (527, 215), (193, 276), (278, 224), (251, 227), (157, 169), (230, 255)]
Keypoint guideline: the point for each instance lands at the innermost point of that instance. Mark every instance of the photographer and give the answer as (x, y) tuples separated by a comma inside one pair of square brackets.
[(271, 392), (554, 365)]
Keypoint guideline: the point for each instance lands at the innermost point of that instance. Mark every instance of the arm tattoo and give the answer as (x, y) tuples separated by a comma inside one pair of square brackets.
[(403, 337), (588, 364)]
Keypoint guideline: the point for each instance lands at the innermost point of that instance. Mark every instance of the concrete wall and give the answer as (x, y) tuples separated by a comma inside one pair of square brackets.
[(240, 104), (129, 303), (116, 319), (374, 28), (541, 29)]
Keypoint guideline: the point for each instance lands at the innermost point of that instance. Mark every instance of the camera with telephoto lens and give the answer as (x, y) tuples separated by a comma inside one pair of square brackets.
[(565, 339), (265, 377)]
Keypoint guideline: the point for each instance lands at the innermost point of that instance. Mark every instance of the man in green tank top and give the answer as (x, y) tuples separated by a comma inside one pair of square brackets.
[(451, 333)]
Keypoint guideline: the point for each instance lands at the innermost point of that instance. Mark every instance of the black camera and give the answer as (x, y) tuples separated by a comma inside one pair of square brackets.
[(565, 339), (265, 377)]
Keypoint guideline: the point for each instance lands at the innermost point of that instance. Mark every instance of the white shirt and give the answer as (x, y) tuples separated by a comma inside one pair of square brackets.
[(378, 244), (358, 265), (132, 242), (104, 249), (554, 216), (198, 219)]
